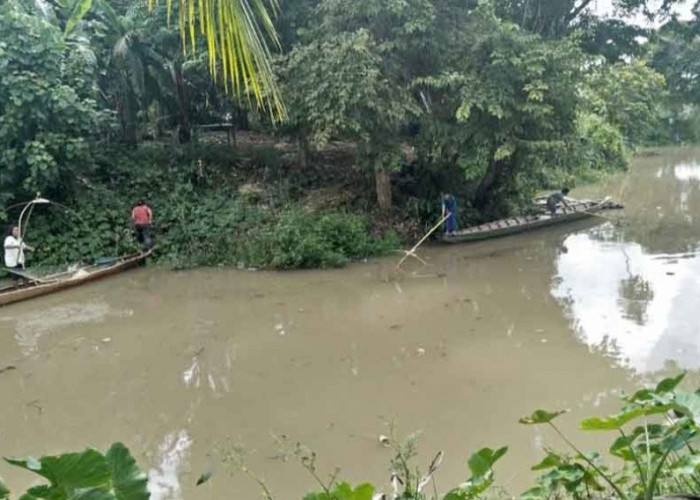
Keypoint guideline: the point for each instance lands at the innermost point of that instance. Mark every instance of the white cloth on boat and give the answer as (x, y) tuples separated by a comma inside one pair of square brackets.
[(14, 251)]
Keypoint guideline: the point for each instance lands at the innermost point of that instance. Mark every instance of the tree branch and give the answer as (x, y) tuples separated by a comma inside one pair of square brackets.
[(577, 10)]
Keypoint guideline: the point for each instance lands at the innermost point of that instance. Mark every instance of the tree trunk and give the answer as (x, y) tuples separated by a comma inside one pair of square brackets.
[(483, 190), (184, 131), (302, 151), (127, 119), (481, 197), (383, 187)]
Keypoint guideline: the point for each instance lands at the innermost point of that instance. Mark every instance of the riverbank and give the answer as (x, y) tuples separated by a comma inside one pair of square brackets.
[(217, 205), (248, 206)]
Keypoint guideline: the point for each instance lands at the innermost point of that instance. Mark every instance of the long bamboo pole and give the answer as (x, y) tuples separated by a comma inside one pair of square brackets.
[(412, 251)]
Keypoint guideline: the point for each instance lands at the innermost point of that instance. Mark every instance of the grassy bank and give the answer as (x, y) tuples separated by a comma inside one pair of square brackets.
[(213, 206)]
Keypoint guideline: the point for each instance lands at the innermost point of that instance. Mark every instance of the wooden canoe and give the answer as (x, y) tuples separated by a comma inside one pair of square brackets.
[(68, 279), (522, 223)]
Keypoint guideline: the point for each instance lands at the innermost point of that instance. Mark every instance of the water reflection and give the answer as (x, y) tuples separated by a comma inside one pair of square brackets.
[(163, 481), (214, 373), (682, 171), (636, 307)]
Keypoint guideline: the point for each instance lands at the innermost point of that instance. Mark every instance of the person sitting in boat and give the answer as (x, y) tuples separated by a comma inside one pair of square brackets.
[(556, 199), (142, 215), (14, 249), (449, 211)]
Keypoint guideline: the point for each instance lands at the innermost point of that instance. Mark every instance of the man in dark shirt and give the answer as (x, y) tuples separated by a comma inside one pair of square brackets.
[(449, 213), (555, 199)]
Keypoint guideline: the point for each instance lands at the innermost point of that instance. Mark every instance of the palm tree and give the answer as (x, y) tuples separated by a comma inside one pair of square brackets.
[(236, 33)]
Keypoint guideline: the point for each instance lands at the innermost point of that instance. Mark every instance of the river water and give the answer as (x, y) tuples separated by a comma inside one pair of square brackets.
[(192, 368)]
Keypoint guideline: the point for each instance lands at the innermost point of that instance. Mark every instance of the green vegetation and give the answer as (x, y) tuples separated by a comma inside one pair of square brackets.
[(492, 100), (202, 218), (113, 475), (656, 443)]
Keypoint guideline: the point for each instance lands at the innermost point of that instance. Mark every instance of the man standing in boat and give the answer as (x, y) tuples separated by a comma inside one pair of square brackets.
[(449, 211), (14, 249), (555, 199), (142, 215)]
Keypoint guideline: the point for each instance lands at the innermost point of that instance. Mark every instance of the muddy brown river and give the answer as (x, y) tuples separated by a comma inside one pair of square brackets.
[(188, 368)]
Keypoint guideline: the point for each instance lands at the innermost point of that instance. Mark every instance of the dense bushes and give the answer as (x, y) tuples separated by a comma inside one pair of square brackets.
[(201, 219)]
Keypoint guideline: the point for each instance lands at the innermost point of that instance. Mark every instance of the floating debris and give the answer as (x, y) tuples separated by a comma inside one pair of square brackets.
[(204, 478)]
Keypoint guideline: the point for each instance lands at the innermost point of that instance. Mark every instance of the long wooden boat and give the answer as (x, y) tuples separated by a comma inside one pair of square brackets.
[(522, 223), (68, 279)]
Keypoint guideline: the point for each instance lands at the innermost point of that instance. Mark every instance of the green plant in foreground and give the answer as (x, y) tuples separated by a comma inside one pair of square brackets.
[(659, 454), (658, 443), (87, 475)]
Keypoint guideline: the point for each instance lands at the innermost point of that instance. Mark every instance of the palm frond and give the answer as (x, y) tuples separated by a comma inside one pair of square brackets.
[(236, 33), (121, 47), (80, 8)]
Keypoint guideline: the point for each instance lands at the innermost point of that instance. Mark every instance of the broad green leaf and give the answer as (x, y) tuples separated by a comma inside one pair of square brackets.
[(669, 384), (572, 474), (4, 492), (80, 8), (551, 460), (541, 417), (677, 440), (128, 481), (343, 491), (688, 404), (537, 493), (653, 430), (616, 422), (71, 471), (481, 462), (686, 466), (105, 10), (621, 447), (472, 489)]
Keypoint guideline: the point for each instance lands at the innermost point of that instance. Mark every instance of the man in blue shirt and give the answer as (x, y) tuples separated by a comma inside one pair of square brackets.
[(449, 210)]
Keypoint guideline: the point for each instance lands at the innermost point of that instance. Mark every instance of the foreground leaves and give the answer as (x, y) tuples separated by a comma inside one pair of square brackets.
[(541, 417), (481, 466), (343, 491), (86, 475)]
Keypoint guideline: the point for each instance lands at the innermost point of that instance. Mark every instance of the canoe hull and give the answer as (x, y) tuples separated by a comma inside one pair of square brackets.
[(508, 227), (32, 290)]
